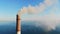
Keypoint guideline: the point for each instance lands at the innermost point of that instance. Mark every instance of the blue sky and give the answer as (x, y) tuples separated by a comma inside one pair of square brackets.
[(9, 8)]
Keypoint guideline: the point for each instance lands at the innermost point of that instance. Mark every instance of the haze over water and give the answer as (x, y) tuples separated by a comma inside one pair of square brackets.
[(27, 27)]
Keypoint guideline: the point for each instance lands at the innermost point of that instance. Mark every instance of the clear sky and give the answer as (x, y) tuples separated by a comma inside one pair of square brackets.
[(9, 8)]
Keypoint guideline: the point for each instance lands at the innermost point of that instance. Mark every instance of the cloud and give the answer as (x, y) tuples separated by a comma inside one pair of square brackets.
[(49, 20)]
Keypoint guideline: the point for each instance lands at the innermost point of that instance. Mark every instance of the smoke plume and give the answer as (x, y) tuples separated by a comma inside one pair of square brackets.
[(49, 20)]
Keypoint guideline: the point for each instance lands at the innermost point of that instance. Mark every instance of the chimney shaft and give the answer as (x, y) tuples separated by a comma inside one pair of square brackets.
[(18, 30)]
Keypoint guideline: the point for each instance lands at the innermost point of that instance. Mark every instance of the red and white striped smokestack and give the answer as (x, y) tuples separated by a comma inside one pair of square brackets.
[(18, 26)]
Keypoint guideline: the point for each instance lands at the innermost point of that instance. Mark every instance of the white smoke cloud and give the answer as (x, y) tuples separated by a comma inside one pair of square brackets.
[(38, 8), (49, 20)]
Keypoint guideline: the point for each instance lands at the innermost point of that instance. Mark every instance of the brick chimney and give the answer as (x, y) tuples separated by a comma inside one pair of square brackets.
[(18, 26)]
